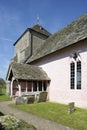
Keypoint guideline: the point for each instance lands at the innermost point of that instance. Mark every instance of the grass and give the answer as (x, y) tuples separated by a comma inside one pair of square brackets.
[(3, 96), (58, 113)]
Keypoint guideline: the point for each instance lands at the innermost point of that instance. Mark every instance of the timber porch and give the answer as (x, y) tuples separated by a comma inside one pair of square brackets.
[(26, 80)]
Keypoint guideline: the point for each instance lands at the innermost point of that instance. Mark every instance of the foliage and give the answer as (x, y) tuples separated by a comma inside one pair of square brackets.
[(10, 122), (2, 86), (2, 82), (58, 113), (3, 91)]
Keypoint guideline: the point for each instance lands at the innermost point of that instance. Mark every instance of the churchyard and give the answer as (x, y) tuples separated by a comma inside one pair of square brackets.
[(53, 111)]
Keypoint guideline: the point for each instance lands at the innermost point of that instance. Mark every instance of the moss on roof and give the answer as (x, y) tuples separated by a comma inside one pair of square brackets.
[(40, 29), (71, 34), (37, 28), (26, 72)]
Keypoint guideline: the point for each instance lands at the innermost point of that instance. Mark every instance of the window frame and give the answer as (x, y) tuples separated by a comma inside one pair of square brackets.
[(72, 75), (79, 75), (75, 72)]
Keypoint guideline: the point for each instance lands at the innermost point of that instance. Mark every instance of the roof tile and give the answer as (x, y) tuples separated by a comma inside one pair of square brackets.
[(27, 72), (71, 34)]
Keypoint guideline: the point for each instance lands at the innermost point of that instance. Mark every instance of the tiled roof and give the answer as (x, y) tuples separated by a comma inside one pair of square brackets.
[(26, 72), (38, 28), (71, 34)]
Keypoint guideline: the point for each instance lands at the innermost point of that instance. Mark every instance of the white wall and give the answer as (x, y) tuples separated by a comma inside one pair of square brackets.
[(57, 67)]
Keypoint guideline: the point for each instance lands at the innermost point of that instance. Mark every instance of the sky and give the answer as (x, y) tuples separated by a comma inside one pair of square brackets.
[(17, 15)]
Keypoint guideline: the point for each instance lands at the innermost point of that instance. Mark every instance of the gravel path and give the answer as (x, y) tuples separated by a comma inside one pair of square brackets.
[(39, 123)]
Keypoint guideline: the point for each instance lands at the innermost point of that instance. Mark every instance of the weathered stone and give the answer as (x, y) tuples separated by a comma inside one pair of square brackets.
[(43, 97), (19, 100), (71, 107), (30, 99)]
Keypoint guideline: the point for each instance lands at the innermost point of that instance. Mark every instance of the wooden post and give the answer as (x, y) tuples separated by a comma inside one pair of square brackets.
[(42, 86), (37, 86), (19, 86), (12, 86), (32, 86), (26, 86)]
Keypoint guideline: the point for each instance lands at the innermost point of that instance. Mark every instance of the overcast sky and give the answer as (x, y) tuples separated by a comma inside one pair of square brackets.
[(17, 15)]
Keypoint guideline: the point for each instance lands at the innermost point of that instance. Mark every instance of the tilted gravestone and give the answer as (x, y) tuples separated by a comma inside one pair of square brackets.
[(71, 107), (19, 100), (42, 97)]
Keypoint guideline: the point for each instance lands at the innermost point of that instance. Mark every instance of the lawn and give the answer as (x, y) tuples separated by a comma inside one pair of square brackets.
[(58, 113), (3, 96)]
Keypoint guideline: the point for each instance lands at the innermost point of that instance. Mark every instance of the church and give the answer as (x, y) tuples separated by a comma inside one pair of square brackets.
[(55, 63)]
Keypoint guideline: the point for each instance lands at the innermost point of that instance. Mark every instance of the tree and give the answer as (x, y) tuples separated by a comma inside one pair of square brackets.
[(2, 82), (2, 85)]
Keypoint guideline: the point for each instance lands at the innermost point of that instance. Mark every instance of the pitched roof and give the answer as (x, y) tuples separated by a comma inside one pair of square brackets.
[(40, 29), (37, 28), (26, 72), (71, 34)]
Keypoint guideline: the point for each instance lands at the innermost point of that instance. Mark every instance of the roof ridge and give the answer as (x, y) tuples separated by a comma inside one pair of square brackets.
[(39, 28), (70, 34)]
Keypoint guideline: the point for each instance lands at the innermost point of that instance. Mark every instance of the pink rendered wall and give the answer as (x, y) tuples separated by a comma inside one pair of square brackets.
[(57, 67)]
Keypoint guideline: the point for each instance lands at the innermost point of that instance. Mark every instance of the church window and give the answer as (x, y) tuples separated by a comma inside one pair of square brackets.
[(75, 72), (79, 75), (72, 75)]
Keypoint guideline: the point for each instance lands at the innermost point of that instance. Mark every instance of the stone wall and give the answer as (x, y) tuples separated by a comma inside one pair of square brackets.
[(27, 44), (22, 47), (37, 41)]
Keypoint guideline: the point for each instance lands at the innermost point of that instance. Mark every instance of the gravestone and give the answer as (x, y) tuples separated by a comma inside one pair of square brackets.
[(42, 97), (19, 100), (30, 99), (71, 107)]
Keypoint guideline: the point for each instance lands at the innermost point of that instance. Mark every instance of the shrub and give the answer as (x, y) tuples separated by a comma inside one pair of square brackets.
[(10, 122)]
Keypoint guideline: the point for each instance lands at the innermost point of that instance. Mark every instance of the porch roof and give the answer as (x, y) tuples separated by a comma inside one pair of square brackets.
[(26, 72)]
